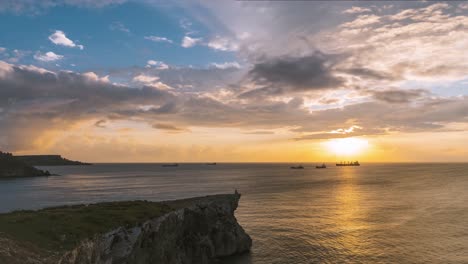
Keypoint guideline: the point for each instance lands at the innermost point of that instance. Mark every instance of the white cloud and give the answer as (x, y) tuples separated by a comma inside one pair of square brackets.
[(226, 65), (223, 44), (161, 85), (159, 39), (2, 49), (157, 64), (16, 55), (5, 69), (356, 10), (402, 46), (145, 79), (188, 42), (91, 76), (362, 20), (152, 81), (48, 56), (59, 38)]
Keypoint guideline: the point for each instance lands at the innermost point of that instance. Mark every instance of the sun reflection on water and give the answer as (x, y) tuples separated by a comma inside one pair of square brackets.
[(351, 214)]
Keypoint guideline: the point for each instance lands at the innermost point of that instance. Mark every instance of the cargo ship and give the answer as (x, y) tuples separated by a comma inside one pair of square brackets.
[(355, 163)]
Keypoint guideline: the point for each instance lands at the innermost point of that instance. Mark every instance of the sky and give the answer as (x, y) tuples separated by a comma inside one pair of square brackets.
[(237, 81)]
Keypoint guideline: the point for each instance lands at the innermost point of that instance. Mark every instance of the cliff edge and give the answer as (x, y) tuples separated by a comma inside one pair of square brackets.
[(198, 230)]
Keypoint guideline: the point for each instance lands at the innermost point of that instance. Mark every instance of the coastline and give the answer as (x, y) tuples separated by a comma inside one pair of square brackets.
[(200, 228)]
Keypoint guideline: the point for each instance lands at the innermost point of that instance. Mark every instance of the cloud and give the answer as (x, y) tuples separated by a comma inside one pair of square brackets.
[(59, 38), (188, 42), (157, 65), (151, 81), (100, 123), (119, 26), (47, 57), (169, 127), (402, 45), (223, 44), (159, 39), (2, 49), (356, 10), (226, 65), (260, 132), (463, 6), (91, 76), (38, 103), (142, 78), (16, 55), (362, 20), (292, 74), (398, 96), (352, 131)]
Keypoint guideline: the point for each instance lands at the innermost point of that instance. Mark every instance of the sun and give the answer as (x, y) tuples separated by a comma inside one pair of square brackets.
[(347, 146)]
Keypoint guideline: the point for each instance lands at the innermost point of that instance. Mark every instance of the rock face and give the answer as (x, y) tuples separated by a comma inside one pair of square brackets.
[(203, 230)]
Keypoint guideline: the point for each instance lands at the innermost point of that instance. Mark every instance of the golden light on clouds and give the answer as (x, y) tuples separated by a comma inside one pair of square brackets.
[(347, 146)]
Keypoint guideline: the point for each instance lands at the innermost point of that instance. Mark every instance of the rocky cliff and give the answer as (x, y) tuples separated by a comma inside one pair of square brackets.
[(200, 230)]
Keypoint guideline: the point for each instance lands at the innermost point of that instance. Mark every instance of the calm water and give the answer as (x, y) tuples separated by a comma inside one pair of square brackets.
[(376, 213)]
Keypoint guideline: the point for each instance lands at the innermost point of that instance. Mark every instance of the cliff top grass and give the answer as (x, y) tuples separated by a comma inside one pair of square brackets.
[(61, 228)]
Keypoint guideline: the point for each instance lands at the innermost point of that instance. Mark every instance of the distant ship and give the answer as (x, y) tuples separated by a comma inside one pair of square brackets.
[(355, 163), (170, 165), (300, 167), (213, 163), (323, 166)]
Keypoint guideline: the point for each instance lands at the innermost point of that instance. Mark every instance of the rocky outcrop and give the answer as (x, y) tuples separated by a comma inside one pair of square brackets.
[(201, 230)]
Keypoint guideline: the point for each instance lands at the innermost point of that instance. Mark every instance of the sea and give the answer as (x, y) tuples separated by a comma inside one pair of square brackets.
[(374, 213)]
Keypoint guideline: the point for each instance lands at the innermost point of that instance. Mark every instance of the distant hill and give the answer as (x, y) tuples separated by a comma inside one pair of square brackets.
[(10, 166), (48, 160)]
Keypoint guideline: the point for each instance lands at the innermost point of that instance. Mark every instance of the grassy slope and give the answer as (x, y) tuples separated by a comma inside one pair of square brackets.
[(58, 229)]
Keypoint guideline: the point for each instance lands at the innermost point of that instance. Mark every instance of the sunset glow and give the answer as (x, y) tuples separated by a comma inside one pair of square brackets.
[(347, 146), (235, 80)]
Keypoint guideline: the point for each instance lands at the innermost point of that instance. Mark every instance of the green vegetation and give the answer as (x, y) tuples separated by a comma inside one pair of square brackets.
[(59, 229), (48, 160), (10, 166)]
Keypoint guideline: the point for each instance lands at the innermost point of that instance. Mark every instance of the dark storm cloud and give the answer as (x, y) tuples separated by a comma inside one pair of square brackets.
[(294, 74), (398, 96)]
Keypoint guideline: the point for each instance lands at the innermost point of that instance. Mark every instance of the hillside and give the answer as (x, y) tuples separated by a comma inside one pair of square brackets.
[(48, 160), (10, 166)]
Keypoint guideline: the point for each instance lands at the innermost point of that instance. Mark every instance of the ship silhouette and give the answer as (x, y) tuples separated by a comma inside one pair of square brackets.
[(349, 163)]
